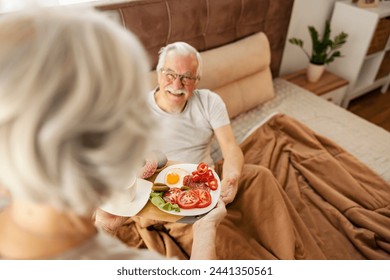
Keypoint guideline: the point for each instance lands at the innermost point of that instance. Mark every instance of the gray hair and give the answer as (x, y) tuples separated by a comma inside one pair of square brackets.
[(73, 115), (179, 49)]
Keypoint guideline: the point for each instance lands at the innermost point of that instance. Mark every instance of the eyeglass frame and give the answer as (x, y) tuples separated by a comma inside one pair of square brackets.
[(174, 75)]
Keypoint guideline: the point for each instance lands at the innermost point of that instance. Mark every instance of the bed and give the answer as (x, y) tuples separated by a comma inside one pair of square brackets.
[(332, 197)]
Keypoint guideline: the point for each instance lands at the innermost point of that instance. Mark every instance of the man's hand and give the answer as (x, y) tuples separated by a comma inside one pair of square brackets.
[(229, 189)]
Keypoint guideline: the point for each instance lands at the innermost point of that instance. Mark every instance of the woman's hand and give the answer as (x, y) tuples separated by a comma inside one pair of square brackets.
[(110, 223), (214, 217), (204, 233)]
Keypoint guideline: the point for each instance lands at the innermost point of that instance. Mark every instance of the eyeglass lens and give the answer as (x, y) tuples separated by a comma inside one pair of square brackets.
[(171, 76)]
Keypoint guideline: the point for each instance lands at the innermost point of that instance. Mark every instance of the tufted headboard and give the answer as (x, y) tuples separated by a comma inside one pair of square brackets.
[(205, 24)]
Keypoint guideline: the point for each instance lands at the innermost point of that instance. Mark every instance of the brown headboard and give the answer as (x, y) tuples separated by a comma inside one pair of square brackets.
[(205, 24)]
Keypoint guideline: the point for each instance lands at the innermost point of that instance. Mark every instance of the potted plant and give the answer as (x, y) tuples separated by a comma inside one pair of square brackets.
[(324, 50)]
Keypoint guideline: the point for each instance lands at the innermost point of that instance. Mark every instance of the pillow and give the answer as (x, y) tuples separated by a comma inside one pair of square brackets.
[(239, 72)]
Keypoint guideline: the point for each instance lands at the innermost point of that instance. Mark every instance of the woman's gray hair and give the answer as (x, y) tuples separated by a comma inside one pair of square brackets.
[(73, 114), (179, 49)]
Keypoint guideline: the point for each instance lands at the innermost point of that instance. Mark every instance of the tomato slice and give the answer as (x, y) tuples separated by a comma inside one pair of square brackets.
[(204, 178), (210, 174), (202, 168), (171, 195), (213, 183), (196, 178), (188, 199), (204, 198)]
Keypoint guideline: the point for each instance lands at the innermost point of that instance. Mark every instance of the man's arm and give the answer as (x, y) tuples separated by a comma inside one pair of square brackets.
[(233, 162)]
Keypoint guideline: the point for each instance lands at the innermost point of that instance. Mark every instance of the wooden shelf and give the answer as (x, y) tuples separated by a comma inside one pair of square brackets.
[(326, 84)]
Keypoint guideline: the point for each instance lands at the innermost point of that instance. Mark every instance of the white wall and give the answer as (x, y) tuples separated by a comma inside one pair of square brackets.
[(304, 13)]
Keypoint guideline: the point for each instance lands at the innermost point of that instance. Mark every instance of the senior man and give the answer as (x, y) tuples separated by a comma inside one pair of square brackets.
[(190, 117)]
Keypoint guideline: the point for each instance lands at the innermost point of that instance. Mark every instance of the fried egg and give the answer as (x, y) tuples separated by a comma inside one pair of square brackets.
[(174, 177)]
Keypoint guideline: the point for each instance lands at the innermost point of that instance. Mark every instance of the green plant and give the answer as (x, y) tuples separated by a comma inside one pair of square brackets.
[(324, 50)]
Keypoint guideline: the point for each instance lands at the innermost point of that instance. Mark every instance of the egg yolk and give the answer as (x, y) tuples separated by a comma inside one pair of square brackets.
[(173, 178)]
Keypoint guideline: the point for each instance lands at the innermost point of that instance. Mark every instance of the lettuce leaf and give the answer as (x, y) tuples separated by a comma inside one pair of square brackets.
[(157, 200)]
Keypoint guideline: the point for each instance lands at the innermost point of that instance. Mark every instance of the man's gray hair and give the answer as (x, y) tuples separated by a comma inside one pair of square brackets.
[(73, 114), (179, 49)]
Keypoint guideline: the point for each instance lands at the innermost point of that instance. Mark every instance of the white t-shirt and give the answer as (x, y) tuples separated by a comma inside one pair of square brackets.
[(186, 137)]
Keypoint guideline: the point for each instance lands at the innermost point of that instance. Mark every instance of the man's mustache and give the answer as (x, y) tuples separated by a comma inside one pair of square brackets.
[(177, 91)]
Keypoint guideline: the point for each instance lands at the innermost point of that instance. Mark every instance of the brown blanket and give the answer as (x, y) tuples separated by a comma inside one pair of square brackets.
[(300, 197)]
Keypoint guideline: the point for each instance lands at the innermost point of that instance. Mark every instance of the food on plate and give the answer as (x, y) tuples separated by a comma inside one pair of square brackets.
[(202, 178), (212, 183), (185, 190), (204, 198), (160, 187), (202, 168), (188, 199), (153, 161), (148, 169), (190, 183), (156, 199), (171, 195), (174, 178)]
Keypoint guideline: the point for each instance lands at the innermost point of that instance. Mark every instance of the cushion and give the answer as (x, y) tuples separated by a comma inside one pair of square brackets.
[(239, 72)]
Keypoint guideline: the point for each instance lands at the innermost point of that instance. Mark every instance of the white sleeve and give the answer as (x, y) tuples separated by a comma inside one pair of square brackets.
[(216, 108)]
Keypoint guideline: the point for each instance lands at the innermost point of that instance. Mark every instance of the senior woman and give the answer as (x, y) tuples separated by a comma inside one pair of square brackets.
[(73, 125)]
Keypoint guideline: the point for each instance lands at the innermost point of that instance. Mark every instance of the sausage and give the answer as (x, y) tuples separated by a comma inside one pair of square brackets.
[(148, 169)]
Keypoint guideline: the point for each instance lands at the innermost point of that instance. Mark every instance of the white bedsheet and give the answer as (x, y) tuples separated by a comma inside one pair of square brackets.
[(366, 141)]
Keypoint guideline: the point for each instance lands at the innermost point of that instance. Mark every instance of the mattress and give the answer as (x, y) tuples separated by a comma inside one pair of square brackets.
[(364, 140)]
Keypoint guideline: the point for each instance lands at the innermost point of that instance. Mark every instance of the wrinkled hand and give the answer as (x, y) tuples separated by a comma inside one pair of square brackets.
[(214, 217), (110, 223), (229, 189), (204, 233)]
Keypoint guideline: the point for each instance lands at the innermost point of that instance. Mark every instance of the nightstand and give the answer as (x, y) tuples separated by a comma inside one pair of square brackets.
[(330, 87)]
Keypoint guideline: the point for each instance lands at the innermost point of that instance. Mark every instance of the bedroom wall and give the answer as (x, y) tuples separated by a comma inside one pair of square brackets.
[(304, 13), (205, 24)]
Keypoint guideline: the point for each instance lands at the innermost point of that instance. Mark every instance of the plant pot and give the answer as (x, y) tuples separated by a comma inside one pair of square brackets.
[(314, 72)]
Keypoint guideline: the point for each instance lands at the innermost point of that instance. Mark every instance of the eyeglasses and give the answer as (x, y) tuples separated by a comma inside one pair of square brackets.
[(171, 76)]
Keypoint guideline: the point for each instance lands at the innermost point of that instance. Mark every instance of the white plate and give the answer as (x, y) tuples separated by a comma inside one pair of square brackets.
[(196, 211), (131, 208)]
